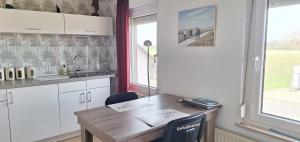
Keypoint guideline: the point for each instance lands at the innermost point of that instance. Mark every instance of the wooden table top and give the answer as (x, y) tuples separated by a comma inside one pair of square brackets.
[(112, 126)]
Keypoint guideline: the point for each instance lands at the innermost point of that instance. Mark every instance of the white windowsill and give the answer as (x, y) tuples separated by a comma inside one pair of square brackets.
[(266, 132)]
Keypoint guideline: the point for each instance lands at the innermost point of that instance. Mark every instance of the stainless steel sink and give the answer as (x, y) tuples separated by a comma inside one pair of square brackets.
[(87, 74), (51, 77)]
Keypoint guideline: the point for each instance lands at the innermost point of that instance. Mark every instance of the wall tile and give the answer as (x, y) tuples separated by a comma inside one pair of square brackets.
[(48, 52), (2, 3)]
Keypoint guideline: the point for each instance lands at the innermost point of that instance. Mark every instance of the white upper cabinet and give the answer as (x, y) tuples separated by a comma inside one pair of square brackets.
[(88, 25), (23, 21)]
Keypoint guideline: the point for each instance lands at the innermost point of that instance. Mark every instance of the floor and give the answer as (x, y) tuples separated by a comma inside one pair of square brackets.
[(78, 139)]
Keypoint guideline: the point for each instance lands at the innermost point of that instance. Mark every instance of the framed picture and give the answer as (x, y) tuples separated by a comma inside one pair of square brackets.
[(197, 27)]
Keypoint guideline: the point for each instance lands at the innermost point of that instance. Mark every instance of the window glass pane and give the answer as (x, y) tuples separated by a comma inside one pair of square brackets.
[(144, 28), (281, 94)]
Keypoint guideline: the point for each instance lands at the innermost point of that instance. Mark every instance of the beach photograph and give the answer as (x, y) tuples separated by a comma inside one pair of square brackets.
[(197, 27)]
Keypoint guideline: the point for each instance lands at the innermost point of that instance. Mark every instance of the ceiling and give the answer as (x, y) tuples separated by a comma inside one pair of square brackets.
[(138, 3)]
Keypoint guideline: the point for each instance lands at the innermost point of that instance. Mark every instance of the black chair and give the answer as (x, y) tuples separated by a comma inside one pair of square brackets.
[(188, 129), (122, 97)]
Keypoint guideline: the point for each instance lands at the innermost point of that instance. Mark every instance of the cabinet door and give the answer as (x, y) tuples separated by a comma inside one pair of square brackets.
[(34, 113), (98, 83), (96, 97), (23, 21), (71, 86), (70, 103), (88, 25), (4, 122)]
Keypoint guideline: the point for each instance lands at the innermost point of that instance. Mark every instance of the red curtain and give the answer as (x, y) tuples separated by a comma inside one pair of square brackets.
[(122, 35)]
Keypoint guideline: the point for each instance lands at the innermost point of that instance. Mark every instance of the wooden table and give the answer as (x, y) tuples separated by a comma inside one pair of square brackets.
[(111, 126)]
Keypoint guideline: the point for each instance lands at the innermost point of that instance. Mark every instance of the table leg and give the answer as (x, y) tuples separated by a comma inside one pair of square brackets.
[(86, 136), (209, 132)]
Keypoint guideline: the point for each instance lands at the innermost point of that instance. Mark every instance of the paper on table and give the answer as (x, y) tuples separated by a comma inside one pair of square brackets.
[(129, 105), (162, 117)]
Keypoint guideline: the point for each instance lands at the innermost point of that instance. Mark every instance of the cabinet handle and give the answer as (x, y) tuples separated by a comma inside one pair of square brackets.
[(89, 96), (34, 29), (11, 100), (88, 31), (82, 98)]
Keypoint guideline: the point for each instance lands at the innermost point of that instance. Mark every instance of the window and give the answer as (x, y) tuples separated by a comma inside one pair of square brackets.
[(143, 28), (272, 88)]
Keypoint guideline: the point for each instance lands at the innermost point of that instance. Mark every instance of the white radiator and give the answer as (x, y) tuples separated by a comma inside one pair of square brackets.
[(224, 136)]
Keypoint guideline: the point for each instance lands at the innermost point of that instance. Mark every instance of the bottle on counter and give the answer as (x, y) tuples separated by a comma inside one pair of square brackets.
[(63, 70)]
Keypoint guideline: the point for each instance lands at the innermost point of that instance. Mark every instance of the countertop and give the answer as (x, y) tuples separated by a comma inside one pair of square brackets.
[(34, 82)]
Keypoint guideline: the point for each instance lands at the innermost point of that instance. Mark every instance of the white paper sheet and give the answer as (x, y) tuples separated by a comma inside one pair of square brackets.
[(129, 105), (162, 117)]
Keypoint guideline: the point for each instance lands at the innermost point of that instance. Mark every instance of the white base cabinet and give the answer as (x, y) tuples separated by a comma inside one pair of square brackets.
[(69, 103), (85, 95), (96, 97), (4, 120), (34, 113)]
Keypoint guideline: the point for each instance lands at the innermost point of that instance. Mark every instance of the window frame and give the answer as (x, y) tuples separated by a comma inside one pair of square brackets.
[(139, 88), (254, 76)]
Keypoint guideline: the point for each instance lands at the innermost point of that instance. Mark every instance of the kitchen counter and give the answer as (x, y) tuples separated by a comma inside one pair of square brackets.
[(34, 82)]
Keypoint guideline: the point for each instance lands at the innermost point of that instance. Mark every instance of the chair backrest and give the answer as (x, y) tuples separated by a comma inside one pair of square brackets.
[(122, 97), (187, 129)]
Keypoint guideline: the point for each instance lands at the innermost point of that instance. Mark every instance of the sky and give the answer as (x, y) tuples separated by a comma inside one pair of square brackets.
[(147, 31), (195, 18), (283, 21)]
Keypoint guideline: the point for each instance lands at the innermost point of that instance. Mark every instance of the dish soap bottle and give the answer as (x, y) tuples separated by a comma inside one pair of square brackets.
[(64, 70), (9, 4)]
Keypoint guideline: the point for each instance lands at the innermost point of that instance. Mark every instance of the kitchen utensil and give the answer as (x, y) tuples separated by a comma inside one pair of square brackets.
[(20, 73), (30, 72), (10, 73), (2, 74)]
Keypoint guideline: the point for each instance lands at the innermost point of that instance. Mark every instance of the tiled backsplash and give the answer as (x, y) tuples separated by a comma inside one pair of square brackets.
[(47, 53), (2, 3)]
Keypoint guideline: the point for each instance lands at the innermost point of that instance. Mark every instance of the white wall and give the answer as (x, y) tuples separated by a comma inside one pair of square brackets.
[(138, 3), (213, 73)]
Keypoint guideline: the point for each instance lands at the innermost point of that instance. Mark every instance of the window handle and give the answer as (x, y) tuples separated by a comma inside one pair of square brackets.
[(256, 64)]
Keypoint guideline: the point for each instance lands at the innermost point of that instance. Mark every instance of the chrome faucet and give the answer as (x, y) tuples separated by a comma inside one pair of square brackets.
[(76, 68)]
